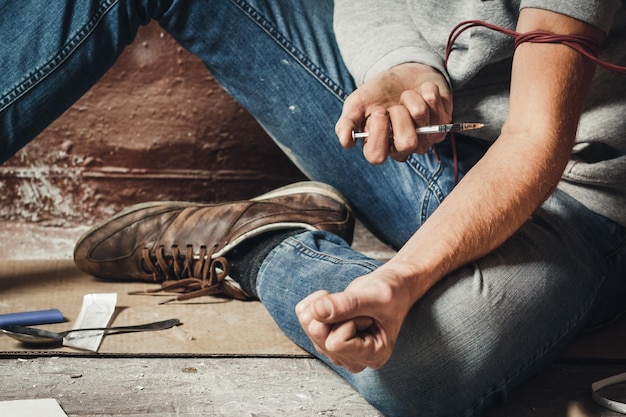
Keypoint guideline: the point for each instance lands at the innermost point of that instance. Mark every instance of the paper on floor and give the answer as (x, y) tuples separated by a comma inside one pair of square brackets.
[(96, 311), (47, 407)]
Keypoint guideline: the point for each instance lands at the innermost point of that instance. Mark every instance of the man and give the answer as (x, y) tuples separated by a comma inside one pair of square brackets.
[(493, 275)]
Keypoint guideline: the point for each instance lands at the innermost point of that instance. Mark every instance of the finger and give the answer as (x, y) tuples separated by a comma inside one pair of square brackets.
[(315, 330), (318, 333), (427, 107), (350, 335), (404, 136), (352, 119), (376, 145), (343, 129), (420, 113), (417, 107), (335, 308), (304, 312), (353, 345), (439, 107), (437, 112), (338, 307), (306, 302)]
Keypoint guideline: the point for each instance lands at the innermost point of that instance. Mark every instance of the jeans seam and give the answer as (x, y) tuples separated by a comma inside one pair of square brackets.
[(38, 74), (306, 250), (310, 252), (290, 48)]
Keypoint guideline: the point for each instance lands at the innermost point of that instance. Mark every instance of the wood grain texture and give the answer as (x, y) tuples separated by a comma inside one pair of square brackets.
[(183, 387), (90, 387)]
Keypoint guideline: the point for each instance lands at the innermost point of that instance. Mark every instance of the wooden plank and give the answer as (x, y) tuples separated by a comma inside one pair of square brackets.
[(90, 387), (189, 387)]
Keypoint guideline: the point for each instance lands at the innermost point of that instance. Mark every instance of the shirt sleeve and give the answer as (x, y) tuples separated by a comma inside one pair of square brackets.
[(598, 13), (375, 35)]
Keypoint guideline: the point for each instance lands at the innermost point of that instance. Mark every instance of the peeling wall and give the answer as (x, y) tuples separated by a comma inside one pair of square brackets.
[(155, 127)]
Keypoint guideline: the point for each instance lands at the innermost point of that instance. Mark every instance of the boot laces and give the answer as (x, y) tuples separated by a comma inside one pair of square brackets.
[(189, 274)]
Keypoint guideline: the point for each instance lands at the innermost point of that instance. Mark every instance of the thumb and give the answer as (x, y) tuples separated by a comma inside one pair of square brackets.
[(336, 307), (344, 129)]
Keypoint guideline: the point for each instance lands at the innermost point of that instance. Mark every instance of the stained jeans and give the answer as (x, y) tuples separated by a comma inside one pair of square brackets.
[(479, 332)]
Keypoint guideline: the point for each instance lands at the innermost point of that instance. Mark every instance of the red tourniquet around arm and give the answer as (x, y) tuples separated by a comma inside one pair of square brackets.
[(583, 44)]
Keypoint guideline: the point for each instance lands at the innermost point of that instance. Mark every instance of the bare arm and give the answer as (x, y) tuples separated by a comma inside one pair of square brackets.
[(548, 88)]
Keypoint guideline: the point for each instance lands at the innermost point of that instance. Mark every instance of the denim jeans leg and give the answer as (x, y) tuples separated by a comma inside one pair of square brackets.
[(53, 52), (279, 59), (483, 329)]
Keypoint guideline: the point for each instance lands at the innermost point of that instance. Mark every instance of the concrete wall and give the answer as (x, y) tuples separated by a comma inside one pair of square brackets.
[(156, 127)]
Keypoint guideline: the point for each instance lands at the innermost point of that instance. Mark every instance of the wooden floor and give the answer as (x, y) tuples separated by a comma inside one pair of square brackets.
[(265, 386), (236, 387), (88, 387), (183, 387)]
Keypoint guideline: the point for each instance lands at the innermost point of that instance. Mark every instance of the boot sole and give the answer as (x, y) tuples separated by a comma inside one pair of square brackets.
[(311, 187)]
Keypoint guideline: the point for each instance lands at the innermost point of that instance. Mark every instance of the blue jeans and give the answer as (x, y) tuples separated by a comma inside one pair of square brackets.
[(478, 333)]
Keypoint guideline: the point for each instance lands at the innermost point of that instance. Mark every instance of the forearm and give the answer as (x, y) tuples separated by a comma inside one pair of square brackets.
[(491, 202), (519, 171)]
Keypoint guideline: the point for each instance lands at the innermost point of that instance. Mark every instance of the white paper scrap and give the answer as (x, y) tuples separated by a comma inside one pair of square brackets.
[(96, 311), (47, 407)]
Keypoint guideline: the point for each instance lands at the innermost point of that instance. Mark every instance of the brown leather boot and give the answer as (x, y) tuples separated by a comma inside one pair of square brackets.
[(186, 242)]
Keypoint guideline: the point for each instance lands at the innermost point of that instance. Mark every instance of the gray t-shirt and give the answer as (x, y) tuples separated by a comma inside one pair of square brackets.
[(376, 35)]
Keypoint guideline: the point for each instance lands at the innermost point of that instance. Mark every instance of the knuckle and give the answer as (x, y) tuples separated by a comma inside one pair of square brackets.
[(405, 144), (333, 345), (374, 157), (418, 109)]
